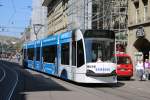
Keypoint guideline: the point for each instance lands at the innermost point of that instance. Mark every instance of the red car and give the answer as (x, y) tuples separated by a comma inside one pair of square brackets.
[(124, 66)]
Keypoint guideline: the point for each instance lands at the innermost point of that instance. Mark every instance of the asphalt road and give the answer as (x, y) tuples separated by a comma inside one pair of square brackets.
[(8, 82), (33, 85)]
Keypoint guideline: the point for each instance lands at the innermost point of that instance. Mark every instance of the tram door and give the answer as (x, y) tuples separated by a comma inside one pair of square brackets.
[(38, 57), (49, 61), (57, 60)]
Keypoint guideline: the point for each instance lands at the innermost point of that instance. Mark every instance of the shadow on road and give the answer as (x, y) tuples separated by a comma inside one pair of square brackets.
[(125, 79), (101, 85), (29, 82)]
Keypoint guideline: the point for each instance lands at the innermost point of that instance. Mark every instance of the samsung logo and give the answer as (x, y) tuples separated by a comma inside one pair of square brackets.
[(103, 69)]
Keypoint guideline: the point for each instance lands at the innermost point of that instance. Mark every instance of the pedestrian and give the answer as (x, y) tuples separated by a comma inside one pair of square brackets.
[(147, 68), (140, 69), (10, 57), (18, 57)]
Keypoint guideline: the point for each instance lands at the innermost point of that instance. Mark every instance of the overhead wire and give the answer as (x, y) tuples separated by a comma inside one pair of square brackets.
[(14, 12), (10, 26)]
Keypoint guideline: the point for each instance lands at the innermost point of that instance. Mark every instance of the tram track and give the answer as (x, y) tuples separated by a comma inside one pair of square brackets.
[(4, 74), (122, 91), (10, 82)]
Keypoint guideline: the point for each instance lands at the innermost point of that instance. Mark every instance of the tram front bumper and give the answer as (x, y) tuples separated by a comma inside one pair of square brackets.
[(91, 73)]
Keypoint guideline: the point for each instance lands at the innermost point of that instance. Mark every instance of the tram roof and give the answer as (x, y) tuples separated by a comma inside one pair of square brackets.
[(66, 35)]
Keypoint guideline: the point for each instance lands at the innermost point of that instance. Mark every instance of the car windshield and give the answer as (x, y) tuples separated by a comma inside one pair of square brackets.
[(123, 60), (99, 49)]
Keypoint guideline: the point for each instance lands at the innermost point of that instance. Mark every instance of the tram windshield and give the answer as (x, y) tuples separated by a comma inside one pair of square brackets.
[(99, 49)]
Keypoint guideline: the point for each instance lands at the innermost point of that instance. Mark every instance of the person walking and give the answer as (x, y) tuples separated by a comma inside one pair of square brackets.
[(18, 57), (147, 68), (140, 69)]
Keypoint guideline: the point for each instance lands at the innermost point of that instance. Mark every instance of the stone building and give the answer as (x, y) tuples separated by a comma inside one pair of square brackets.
[(112, 15), (64, 15), (38, 20), (139, 29)]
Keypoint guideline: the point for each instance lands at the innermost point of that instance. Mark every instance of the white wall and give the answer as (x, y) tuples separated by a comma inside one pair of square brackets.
[(39, 16)]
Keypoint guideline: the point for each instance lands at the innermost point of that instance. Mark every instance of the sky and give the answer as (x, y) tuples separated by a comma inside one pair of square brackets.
[(15, 16)]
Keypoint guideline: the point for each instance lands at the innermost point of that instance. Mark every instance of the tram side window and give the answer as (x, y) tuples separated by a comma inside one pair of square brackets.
[(74, 53), (49, 53), (38, 54), (27, 54), (30, 53), (52, 53), (65, 54), (80, 53), (24, 53)]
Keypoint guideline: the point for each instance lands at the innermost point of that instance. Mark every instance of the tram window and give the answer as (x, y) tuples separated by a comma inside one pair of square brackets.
[(74, 53), (30, 53), (49, 54), (52, 54), (38, 54), (80, 53), (65, 54), (24, 53), (27, 53)]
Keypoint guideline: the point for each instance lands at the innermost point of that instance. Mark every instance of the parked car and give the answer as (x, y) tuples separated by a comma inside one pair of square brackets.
[(124, 66)]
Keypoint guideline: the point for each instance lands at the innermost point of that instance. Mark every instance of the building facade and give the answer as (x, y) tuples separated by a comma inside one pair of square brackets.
[(112, 15), (65, 15), (38, 20), (138, 29), (26, 35)]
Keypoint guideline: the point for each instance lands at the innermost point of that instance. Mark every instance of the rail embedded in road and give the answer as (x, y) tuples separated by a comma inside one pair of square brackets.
[(3, 75), (13, 84)]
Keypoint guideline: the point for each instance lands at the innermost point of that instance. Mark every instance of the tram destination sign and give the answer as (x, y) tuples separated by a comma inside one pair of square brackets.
[(99, 34)]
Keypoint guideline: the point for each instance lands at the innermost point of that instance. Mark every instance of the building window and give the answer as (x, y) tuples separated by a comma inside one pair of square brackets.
[(52, 6), (145, 12), (137, 12), (145, 3), (65, 53), (137, 16)]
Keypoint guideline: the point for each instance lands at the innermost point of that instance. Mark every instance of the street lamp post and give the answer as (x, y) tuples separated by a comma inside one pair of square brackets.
[(37, 28)]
